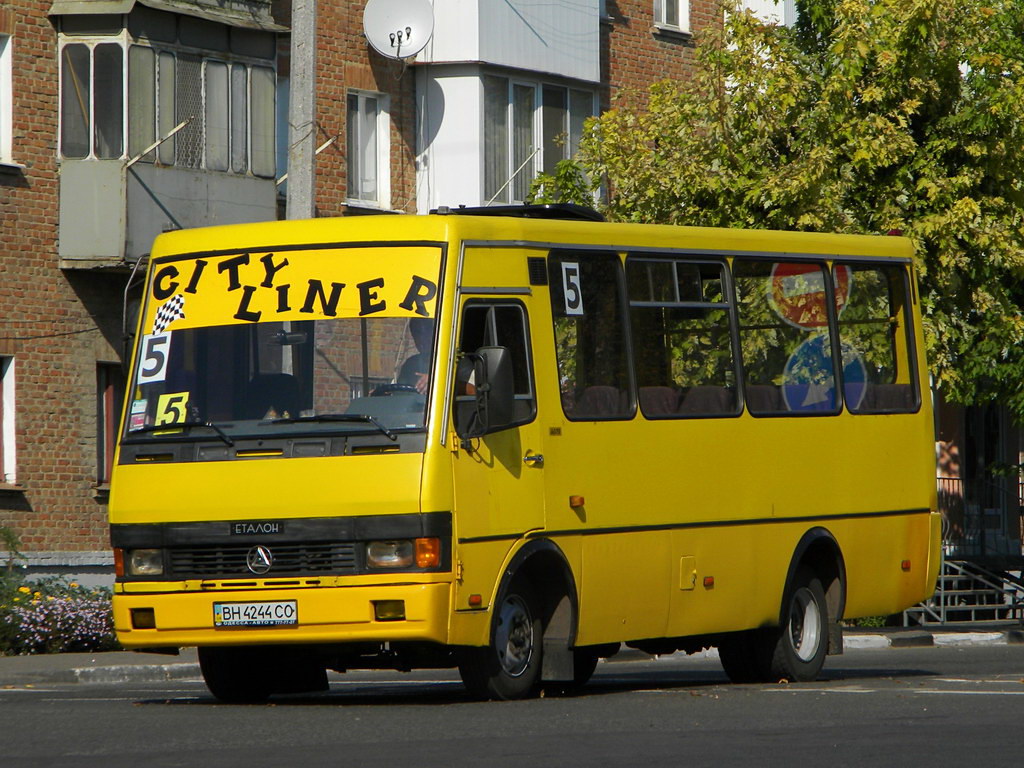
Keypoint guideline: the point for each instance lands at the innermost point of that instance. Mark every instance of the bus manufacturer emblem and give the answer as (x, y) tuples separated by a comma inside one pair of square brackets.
[(259, 560)]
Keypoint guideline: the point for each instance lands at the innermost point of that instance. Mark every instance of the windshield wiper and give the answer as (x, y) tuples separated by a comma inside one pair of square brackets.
[(364, 418), (183, 425)]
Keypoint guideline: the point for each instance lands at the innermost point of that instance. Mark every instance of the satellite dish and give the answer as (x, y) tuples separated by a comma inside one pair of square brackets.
[(398, 29)]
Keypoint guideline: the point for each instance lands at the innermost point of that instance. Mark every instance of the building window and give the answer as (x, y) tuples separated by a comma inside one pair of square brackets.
[(8, 447), (109, 397), (6, 100), (672, 14), (368, 146), (218, 79), (92, 100), (523, 133)]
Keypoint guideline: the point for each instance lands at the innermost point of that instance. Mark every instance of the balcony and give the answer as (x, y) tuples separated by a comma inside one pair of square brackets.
[(109, 214), (557, 38)]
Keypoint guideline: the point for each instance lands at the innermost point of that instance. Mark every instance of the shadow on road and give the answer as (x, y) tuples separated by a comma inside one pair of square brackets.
[(611, 680)]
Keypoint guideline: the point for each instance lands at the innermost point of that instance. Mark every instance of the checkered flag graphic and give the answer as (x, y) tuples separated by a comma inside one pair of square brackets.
[(170, 311)]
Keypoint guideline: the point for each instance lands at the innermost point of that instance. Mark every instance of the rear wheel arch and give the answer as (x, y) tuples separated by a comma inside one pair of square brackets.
[(819, 551)]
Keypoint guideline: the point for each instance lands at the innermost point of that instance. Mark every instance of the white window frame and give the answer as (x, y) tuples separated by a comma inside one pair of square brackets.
[(661, 15), (382, 199), (6, 100), (8, 464), (91, 42), (535, 163)]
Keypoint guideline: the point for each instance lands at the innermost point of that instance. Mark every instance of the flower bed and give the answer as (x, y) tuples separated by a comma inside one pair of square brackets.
[(53, 615)]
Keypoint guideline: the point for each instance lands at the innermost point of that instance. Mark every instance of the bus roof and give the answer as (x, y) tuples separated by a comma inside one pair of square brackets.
[(452, 227)]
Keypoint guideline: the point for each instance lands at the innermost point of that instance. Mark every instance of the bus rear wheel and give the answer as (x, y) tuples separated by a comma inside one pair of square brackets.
[(509, 668), (802, 641), (794, 651)]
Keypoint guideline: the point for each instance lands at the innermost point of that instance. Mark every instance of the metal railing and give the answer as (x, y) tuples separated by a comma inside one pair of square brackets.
[(981, 519), (967, 592)]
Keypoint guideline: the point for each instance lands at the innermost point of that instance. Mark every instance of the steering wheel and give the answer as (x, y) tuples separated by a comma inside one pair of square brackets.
[(384, 390)]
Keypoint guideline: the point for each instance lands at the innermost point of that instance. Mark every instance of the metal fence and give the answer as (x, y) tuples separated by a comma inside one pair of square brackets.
[(981, 519)]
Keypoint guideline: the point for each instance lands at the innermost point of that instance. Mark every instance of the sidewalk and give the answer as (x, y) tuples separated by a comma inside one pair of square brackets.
[(111, 667), (128, 666)]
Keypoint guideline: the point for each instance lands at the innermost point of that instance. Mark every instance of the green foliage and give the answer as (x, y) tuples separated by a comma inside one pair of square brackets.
[(869, 116), (568, 184)]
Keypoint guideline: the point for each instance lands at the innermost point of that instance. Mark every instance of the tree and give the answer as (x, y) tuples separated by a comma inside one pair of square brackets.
[(869, 116)]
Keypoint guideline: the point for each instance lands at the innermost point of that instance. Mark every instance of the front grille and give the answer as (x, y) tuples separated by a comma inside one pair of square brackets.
[(296, 559)]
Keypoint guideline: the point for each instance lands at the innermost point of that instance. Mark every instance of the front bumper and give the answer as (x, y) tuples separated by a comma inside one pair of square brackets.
[(325, 615)]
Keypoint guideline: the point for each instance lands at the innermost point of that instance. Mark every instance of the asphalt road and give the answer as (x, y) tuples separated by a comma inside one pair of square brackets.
[(924, 706)]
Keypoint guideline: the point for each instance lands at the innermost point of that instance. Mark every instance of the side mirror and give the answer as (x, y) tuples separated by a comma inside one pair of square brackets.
[(484, 394)]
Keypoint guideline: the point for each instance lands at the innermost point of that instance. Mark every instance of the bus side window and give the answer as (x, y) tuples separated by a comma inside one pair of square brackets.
[(785, 341), (590, 335), (682, 340), (874, 326), (498, 325)]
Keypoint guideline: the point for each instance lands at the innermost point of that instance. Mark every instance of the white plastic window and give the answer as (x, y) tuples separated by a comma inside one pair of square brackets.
[(672, 14), (368, 149), (7, 434), (6, 99)]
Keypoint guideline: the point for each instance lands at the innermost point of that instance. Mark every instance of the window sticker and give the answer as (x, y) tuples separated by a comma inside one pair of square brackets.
[(137, 418), (156, 349), (571, 288), (172, 408)]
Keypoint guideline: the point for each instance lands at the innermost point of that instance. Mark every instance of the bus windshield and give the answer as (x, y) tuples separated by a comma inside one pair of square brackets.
[(284, 377), (344, 351)]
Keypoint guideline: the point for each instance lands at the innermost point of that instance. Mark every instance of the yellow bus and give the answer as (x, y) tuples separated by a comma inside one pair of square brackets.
[(510, 440)]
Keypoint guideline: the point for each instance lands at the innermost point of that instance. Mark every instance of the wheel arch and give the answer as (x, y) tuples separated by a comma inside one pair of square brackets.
[(819, 551), (542, 562)]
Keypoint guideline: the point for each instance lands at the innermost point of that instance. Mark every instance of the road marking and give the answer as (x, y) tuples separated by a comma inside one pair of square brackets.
[(973, 693)]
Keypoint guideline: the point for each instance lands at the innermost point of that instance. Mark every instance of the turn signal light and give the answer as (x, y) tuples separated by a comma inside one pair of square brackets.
[(119, 562), (428, 553)]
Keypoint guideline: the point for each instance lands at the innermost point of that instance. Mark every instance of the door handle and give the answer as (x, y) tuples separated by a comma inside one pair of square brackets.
[(534, 459)]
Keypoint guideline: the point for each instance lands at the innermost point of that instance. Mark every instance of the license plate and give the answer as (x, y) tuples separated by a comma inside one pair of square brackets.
[(256, 614)]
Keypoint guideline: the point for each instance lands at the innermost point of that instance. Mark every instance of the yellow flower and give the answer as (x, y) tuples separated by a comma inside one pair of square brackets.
[(25, 590), (74, 585), (37, 594), (49, 597)]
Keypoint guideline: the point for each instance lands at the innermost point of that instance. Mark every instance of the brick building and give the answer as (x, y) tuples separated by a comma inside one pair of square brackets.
[(122, 118)]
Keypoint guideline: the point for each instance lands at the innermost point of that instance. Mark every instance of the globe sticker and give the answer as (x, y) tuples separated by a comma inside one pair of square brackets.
[(796, 291)]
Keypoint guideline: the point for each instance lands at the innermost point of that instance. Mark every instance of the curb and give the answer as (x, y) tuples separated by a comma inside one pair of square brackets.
[(136, 673)]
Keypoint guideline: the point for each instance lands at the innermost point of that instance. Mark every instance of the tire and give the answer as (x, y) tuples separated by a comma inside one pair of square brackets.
[(802, 641), (794, 652), (585, 662), (235, 675), (509, 668), (249, 675), (742, 657)]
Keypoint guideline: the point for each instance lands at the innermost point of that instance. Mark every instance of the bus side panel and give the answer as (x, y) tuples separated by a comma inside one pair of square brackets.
[(876, 554)]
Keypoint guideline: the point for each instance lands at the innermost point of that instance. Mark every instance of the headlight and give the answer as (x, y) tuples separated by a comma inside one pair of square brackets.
[(145, 562), (390, 554), (422, 553)]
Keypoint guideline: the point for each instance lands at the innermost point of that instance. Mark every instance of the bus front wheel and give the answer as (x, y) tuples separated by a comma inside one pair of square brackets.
[(235, 675), (509, 668)]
